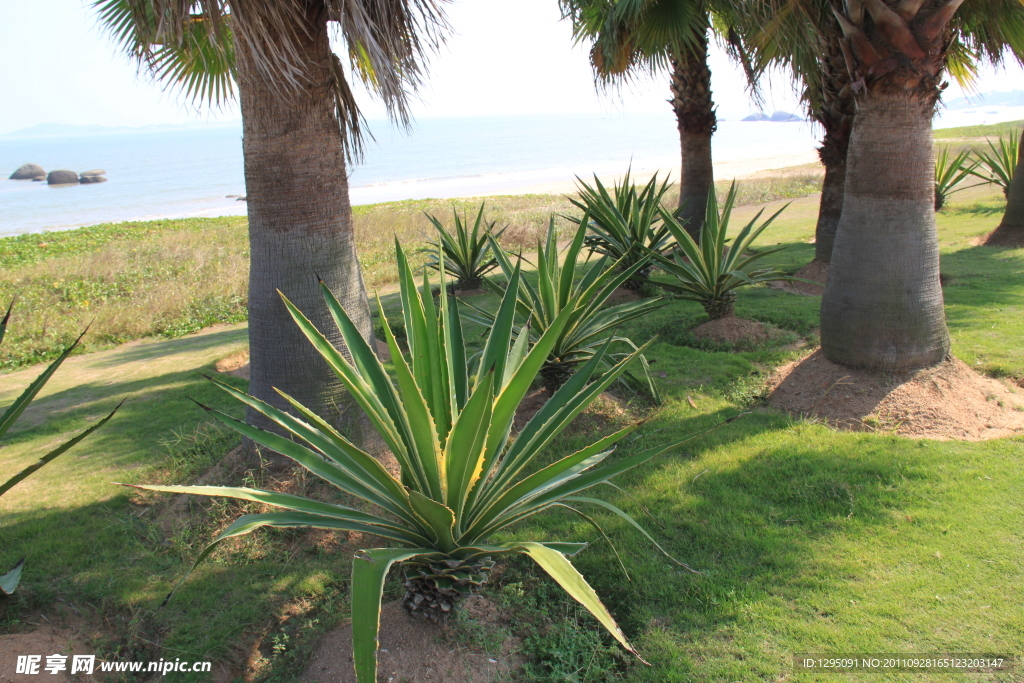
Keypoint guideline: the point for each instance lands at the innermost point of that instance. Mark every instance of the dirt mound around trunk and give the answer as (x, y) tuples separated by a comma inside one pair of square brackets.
[(412, 650), (815, 270), (947, 401), (1002, 237), (732, 330)]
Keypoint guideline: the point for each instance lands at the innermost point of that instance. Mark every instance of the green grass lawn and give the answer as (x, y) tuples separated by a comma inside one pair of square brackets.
[(807, 540)]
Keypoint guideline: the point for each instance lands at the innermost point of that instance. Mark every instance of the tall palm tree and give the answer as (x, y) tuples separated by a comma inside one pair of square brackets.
[(883, 308), (301, 125), (651, 36), (804, 36)]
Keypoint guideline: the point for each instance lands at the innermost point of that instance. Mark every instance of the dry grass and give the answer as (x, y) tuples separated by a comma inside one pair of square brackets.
[(169, 278), (166, 284)]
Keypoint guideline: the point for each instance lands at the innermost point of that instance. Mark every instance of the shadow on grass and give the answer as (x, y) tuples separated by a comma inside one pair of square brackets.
[(182, 345), (981, 276), (756, 512), (105, 555)]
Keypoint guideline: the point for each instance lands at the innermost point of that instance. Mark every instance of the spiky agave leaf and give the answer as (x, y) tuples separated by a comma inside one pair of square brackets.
[(709, 271), (591, 322), (448, 422), (9, 581)]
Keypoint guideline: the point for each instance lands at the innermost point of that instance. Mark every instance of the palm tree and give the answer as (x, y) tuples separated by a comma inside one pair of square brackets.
[(805, 37), (883, 308), (630, 36), (301, 125)]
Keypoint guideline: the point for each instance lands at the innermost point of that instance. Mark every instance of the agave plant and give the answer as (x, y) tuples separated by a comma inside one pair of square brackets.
[(10, 580), (464, 477), (999, 162), (557, 291), (624, 224), (949, 173), (464, 252), (710, 271)]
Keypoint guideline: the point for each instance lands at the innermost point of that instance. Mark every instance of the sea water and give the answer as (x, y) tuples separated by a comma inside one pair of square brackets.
[(198, 170)]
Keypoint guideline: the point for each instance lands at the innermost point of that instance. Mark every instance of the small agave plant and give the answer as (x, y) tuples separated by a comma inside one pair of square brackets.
[(625, 223), (591, 321), (711, 270), (464, 475), (464, 252)]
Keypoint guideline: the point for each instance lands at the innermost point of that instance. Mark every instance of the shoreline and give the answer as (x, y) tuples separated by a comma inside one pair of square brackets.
[(544, 181)]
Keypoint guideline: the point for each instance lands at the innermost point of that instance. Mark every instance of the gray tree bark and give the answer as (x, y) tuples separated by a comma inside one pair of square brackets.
[(1010, 232), (696, 120), (300, 227), (882, 308), (830, 209)]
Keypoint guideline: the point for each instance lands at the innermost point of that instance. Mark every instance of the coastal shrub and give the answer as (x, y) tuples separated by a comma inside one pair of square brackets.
[(558, 292), (709, 271), (464, 477)]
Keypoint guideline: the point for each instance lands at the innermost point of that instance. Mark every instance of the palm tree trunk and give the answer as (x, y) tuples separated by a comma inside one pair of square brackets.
[(1011, 229), (882, 308), (834, 110), (695, 115), (300, 224), (830, 209)]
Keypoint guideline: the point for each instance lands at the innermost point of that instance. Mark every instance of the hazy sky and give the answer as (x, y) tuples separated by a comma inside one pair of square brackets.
[(506, 57)]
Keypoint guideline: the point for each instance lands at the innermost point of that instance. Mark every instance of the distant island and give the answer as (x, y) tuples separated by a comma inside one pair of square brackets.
[(45, 130), (774, 117)]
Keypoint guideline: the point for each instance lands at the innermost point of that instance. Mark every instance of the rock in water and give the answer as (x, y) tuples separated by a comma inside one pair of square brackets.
[(62, 177), (92, 179), (93, 172), (29, 172)]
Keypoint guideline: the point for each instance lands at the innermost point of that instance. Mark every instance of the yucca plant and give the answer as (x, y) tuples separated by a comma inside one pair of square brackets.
[(464, 252), (624, 224), (949, 173), (9, 581), (590, 324), (998, 163), (711, 271), (464, 477)]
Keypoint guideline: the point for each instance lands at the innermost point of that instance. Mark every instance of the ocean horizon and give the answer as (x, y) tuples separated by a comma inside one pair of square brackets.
[(197, 170)]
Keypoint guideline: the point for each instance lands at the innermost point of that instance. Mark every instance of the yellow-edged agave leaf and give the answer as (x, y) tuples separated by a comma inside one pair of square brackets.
[(297, 504), (465, 450), (562, 571), (369, 569), (440, 518)]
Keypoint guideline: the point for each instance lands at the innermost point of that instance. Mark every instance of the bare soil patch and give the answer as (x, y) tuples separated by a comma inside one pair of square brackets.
[(236, 365), (528, 407), (815, 270), (623, 296), (417, 651), (945, 402), (732, 330), (467, 293)]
